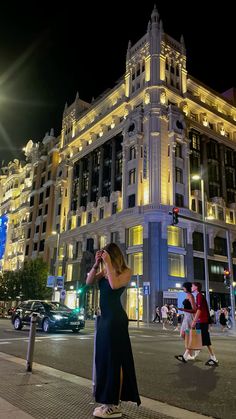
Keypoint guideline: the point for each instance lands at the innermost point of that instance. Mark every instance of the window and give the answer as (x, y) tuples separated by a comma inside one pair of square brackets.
[(132, 176), (37, 229), (49, 175), (59, 209), (29, 233), (69, 272), (135, 262), (44, 226), (42, 181), (176, 265), (175, 236), (178, 175), (132, 153), (35, 246), (41, 245), (27, 250), (198, 244), (102, 242), (78, 221), (131, 201), (101, 213), (89, 217), (179, 200), (47, 191), (90, 245), (214, 190), (46, 209), (31, 201), (114, 207), (198, 266), (220, 246), (135, 235), (30, 217), (195, 141), (178, 150), (41, 198)]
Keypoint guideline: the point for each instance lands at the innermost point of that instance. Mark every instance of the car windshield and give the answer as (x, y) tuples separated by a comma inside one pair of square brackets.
[(56, 307)]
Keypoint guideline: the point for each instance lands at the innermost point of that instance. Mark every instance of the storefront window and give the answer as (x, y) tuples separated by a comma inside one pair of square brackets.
[(176, 265), (135, 235), (132, 306), (175, 236), (135, 262)]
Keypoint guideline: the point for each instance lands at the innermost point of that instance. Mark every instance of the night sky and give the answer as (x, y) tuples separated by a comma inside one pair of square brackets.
[(49, 53)]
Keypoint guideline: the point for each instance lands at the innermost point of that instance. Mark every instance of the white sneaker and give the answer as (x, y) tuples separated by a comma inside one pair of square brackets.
[(107, 411), (164, 328)]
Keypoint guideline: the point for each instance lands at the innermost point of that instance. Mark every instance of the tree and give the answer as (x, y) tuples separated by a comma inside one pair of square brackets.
[(33, 280), (9, 285)]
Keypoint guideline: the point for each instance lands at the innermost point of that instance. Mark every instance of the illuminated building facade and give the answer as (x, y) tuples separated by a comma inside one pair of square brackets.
[(15, 188), (127, 158)]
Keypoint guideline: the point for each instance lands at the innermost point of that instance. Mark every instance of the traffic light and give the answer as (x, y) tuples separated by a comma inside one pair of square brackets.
[(175, 215), (227, 277)]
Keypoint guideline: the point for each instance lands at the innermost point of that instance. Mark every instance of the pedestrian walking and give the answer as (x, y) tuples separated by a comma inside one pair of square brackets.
[(164, 316), (189, 308), (222, 319), (157, 318), (115, 372), (201, 321)]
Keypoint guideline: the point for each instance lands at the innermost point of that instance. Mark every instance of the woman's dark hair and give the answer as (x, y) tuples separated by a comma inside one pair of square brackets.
[(188, 286), (198, 285)]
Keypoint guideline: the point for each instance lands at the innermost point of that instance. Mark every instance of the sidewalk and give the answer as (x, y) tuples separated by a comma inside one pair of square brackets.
[(48, 393)]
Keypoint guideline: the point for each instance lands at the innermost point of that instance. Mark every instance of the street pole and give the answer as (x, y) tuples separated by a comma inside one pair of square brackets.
[(205, 242), (147, 310), (137, 284), (232, 298), (56, 264)]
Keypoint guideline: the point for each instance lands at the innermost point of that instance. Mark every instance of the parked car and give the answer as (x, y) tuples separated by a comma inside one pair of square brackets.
[(51, 316)]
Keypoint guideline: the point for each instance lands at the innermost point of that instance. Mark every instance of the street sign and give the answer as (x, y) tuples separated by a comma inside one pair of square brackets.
[(63, 294), (146, 288), (60, 281), (51, 281)]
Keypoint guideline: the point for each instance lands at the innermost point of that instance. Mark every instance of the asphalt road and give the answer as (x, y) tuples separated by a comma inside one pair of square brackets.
[(193, 386)]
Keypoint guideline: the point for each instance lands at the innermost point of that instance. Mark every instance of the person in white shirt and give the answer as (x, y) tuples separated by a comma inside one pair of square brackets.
[(164, 315)]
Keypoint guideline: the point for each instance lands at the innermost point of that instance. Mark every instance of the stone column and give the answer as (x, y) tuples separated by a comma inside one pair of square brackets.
[(90, 171)]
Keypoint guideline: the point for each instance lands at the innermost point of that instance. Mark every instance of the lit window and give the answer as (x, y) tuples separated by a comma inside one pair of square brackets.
[(175, 236), (102, 242), (69, 272), (176, 265), (135, 236), (135, 262)]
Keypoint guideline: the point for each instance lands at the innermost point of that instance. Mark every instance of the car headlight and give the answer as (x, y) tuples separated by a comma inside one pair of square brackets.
[(57, 316), (81, 317)]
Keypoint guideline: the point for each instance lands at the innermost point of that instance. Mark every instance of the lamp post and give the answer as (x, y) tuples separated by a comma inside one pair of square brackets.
[(206, 272), (56, 263)]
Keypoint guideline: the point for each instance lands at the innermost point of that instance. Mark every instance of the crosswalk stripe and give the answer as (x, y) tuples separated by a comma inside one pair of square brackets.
[(4, 343)]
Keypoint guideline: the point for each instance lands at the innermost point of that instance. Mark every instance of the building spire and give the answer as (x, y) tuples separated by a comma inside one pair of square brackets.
[(155, 15)]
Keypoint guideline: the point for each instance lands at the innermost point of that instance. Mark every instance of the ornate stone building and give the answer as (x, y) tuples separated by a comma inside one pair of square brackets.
[(128, 157)]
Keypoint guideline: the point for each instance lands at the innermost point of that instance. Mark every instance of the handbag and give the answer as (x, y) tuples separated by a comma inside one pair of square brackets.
[(193, 339)]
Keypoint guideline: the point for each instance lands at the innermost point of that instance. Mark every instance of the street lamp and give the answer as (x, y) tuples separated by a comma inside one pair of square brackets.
[(200, 177)]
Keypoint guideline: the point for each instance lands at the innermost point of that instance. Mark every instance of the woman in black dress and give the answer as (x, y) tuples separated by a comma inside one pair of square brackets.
[(115, 372)]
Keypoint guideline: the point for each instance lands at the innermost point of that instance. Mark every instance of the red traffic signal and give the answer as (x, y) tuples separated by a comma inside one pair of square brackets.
[(175, 215)]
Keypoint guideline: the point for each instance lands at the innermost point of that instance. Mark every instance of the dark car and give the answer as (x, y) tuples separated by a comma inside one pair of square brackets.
[(51, 315)]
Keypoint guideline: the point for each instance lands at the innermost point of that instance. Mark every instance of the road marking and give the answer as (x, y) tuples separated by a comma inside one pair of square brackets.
[(146, 336), (4, 343), (84, 337), (55, 339)]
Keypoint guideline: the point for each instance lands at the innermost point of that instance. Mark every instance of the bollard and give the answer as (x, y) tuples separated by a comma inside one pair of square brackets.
[(94, 354), (30, 351)]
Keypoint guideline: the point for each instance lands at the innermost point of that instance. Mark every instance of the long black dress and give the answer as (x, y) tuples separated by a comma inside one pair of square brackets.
[(113, 350)]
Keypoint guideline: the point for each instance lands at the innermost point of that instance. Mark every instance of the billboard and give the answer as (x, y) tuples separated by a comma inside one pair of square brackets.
[(3, 234)]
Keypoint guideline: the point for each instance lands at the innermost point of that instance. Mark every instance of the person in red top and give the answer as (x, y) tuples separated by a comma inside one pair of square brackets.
[(201, 321)]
